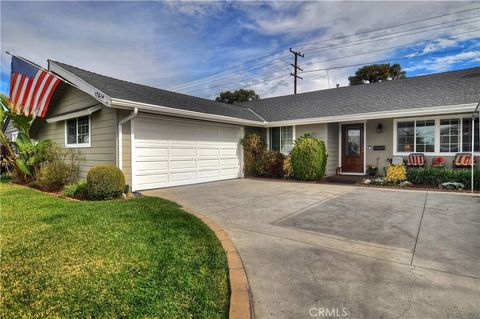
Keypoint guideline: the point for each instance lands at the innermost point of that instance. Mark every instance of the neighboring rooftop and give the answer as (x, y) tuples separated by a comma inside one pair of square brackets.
[(442, 89), (120, 89)]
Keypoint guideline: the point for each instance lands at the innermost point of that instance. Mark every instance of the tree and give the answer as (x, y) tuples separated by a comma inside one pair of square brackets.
[(237, 96), (377, 73)]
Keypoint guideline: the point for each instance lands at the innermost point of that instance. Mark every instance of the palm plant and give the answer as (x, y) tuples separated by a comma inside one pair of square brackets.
[(30, 153)]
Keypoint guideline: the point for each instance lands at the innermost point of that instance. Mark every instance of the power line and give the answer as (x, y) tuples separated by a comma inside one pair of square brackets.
[(395, 35), (276, 85), (374, 62), (325, 40), (355, 43)]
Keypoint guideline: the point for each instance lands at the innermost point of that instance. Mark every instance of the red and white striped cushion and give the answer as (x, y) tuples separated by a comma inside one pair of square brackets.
[(463, 160), (416, 160)]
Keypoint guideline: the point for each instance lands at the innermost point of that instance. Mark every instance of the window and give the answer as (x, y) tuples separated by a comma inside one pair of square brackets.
[(405, 136), (281, 139), (467, 135), (14, 136), (425, 136), (441, 135), (449, 135), (78, 132)]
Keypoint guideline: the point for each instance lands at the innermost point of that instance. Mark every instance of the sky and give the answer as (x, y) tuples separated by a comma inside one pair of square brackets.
[(203, 48)]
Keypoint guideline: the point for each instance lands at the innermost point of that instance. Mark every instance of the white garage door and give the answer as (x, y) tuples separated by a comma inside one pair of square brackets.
[(171, 152)]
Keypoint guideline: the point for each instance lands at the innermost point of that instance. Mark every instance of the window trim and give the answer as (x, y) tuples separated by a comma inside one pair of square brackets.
[(437, 119), (79, 145)]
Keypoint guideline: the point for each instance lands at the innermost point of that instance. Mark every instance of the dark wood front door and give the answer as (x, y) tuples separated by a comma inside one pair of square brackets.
[(352, 148)]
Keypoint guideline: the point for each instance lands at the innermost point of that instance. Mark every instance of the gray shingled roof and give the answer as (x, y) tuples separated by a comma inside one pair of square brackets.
[(120, 89), (442, 89)]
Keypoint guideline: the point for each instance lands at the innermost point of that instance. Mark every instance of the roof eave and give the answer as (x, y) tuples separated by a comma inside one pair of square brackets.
[(425, 111), (159, 109)]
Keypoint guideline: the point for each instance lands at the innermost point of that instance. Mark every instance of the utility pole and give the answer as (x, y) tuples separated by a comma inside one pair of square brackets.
[(295, 69)]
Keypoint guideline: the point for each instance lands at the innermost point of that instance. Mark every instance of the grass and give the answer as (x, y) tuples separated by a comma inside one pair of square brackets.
[(142, 257)]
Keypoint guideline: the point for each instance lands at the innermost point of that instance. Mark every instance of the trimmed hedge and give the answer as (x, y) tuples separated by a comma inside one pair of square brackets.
[(56, 174), (105, 181), (434, 177), (309, 158)]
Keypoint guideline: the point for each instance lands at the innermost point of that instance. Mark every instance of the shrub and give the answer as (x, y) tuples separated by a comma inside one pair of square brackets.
[(287, 168), (309, 158), (453, 185), (56, 174), (253, 149), (76, 190), (271, 164), (105, 181), (435, 177), (396, 173)]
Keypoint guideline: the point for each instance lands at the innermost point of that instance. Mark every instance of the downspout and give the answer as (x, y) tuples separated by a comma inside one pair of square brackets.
[(120, 134)]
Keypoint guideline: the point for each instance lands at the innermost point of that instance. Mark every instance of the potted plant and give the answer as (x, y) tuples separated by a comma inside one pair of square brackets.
[(372, 169)]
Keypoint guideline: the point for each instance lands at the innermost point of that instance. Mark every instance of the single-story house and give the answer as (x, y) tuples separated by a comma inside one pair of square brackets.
[(161, 138)]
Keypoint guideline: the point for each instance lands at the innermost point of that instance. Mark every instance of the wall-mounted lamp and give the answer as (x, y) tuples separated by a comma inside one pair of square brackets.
[(379, 128)]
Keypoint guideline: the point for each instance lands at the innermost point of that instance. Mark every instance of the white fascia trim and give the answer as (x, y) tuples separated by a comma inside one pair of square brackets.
[(151, 108), (74, 114), (447, 109), (80, 84)]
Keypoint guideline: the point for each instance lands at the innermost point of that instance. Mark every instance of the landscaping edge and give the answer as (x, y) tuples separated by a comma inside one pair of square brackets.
[(241, 302)]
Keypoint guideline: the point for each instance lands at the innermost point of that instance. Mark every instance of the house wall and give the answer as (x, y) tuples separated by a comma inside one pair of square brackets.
[(385, 138), (9, 130), (103, 128), (332, 149)]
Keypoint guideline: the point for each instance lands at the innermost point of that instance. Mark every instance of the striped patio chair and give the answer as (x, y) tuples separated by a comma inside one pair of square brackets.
[(416, 160), (464, 160)]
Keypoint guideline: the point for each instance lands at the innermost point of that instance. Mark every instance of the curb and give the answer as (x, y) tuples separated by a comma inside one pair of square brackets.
[(241, 303)]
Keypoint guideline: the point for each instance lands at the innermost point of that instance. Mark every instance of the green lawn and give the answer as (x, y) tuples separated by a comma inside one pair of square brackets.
[(142, 257)]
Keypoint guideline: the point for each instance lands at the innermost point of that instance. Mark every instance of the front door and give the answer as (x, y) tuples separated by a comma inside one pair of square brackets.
[(352, 148)]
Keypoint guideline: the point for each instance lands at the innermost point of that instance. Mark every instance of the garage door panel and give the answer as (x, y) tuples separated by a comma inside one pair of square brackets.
[(183, 152), (156, 165), (171, 152), (184, 164), (152, 152), (212, 163), (182, 176), (208, 152), (208, 174)]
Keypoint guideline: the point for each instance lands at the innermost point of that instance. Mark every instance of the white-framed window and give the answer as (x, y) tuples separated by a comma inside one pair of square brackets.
[(441, 135), (14, 136), (78, 132), (281, 139)]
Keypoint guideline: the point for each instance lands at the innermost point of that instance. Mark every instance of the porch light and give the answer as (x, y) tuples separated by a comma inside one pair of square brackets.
[(379, 128)]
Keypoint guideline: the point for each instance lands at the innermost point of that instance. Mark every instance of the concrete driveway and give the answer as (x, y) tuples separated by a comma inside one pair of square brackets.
[(325, 251)]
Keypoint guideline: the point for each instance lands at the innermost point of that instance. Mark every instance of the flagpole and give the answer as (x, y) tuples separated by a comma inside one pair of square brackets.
[(40, 67)]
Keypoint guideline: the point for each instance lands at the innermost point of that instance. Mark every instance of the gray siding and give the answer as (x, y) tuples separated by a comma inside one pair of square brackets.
[(9, 130), (385, 138), (103, 128), (332, 149)]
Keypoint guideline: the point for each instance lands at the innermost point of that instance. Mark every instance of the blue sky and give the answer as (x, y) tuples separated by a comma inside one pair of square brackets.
[(165, 44)]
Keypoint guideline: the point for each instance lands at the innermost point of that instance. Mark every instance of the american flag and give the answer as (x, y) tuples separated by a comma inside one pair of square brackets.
[(31, 88)]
